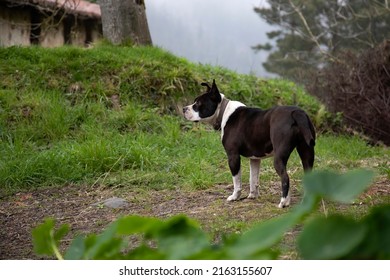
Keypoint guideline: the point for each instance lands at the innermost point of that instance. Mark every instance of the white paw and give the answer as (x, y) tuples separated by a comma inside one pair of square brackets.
[(253, 195), (234, 196), (284, 202)]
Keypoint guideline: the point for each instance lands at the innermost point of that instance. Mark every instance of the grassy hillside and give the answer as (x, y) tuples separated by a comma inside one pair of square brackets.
[(146, 73), (108, 115)]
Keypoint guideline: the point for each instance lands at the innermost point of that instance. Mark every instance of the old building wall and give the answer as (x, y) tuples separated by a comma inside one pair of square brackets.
[(96, 31), (78, 33), (83, 32), (32, 25), (14, 27), (52, 35)]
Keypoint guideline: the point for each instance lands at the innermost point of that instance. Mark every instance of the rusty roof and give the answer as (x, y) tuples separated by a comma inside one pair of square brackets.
[(79, 7)]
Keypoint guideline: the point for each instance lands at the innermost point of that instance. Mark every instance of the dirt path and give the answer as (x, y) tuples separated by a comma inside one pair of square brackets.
[(74, 205), (19, 214)]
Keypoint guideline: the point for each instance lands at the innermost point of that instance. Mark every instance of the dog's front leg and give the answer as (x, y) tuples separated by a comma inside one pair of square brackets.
[(234, 165), (254, 178)]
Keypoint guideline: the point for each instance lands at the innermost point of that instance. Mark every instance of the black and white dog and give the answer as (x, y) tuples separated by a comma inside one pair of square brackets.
[(256, 134)]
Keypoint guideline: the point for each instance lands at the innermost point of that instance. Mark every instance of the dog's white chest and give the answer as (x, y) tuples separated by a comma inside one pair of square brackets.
[(230, 108)]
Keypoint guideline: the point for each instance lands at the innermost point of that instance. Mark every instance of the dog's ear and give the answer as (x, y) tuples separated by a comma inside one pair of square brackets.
[(206, 85), (214, 86), (215, 92)]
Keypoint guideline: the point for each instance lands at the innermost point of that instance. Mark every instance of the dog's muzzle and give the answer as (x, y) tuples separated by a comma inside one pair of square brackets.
[(190, 114), (187, 113)]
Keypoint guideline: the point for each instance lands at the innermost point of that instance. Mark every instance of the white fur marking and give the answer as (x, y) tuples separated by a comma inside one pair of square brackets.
[(190, 114), (254, 178), (237, 187), (285, 201), (230, 108), (271, 154)]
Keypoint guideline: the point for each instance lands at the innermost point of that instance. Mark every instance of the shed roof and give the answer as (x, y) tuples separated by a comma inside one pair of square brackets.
[(77, 7)]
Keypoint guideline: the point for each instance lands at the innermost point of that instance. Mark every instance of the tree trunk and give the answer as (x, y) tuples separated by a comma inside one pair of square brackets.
[(125, 20)]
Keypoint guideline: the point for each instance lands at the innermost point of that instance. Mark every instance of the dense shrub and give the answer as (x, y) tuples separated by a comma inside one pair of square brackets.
[(359, 87)]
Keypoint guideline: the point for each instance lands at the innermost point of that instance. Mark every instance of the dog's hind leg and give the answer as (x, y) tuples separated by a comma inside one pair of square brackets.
[(280, 164), (254, 178), (306, 153)]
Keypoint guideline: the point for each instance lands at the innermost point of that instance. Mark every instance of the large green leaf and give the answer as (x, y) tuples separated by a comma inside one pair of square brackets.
[(76, 250), (178, 237), (376, 245), (181, 238), (144, 252), (330, 238), (379, 224), (100, 243), (256, 242), (261, 237), (341, 188), (138, 224), (46, 239)]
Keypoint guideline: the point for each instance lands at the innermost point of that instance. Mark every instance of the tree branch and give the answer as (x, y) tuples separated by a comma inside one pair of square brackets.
[(312, 37)]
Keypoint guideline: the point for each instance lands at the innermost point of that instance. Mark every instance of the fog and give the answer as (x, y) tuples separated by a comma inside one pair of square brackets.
[(216, 32)]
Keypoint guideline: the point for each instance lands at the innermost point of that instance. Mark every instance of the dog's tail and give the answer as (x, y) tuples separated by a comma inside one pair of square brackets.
[(305, 126)]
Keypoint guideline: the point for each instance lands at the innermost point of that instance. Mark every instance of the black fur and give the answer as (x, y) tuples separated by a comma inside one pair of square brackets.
[(252, 132), (257, 133), (202, 103)]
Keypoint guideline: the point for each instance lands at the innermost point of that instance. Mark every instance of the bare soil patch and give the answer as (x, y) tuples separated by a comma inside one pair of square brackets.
[(74, 205)]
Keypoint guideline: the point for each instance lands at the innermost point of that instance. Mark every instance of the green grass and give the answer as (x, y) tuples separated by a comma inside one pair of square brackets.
[(60, 125)]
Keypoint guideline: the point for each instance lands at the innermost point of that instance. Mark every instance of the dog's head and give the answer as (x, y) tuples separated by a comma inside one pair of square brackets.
[(205, 106)]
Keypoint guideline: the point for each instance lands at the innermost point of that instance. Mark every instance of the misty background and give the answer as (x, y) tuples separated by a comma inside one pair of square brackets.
[(216, 32)]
